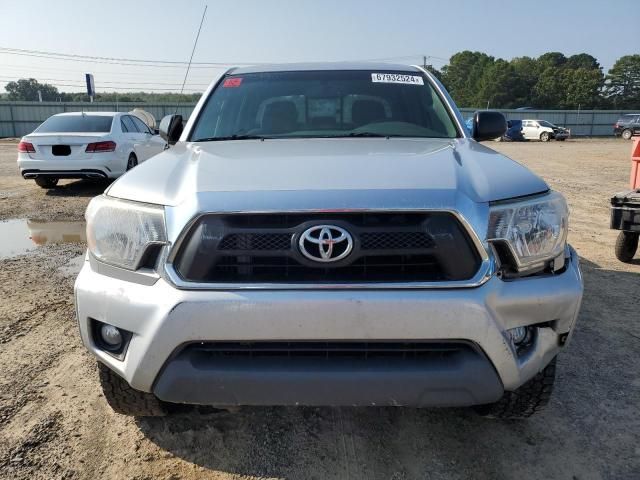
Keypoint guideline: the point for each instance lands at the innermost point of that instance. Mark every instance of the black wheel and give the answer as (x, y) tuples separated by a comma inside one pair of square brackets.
[(530, 398), (627, 134), (46, 182), (132, 161), (626, 246), (544, 137), (126, 400)]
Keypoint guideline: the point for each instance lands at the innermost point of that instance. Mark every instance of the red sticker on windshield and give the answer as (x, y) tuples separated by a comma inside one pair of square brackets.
[(232, 82)]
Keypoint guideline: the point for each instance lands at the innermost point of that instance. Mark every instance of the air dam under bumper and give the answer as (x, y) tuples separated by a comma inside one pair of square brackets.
[(83, 173), (163, 319), (459, 376)]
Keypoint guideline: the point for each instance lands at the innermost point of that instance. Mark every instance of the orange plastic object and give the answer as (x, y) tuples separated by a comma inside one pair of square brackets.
[(634, 182)]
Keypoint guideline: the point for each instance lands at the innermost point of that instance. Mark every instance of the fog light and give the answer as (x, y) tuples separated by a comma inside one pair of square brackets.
[(519, 335), (111, 336)]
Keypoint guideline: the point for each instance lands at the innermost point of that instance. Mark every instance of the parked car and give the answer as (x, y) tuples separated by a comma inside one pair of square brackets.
[(514, 132), (328, 234), (543, 131), (96, 145), (627, 126), (468, 123)]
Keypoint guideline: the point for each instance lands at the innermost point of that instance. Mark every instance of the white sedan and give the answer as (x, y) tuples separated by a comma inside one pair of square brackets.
[(95, 145), (543, 131)]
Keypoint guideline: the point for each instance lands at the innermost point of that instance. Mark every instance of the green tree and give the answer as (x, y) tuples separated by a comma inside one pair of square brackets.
[(497, 85), (622, 88), (462, 76), (527, 71), (547, 92), (27, 90), (551, 59), (582, 87), (559, 88), (582, 60)]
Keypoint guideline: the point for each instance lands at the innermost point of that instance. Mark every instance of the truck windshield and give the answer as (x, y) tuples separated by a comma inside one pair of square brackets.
[(345, 103)]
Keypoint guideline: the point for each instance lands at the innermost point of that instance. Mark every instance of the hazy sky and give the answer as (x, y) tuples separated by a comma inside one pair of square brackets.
[(254, 31)]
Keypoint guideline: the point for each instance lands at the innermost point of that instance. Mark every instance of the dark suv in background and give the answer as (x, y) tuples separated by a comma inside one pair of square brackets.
[(627, 126)]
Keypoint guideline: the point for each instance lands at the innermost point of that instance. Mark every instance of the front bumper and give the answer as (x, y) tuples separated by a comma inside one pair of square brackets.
[(163, 319)]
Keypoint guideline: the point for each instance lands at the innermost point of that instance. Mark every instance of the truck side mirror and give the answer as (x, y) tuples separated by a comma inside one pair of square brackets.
[(488, 125), (170, 128)]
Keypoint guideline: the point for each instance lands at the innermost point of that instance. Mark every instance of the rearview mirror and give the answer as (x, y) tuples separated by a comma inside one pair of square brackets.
[(488, 125), (170, 128)]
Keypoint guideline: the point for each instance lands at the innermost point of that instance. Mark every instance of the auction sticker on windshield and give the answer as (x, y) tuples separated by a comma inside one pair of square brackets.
[(397, 78)]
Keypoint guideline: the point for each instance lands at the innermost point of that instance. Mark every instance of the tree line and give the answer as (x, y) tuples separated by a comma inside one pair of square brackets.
[(551, 81), (26, 89), (474, 79)]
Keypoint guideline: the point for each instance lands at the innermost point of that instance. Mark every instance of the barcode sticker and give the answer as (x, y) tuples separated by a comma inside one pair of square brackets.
[(397, 78)]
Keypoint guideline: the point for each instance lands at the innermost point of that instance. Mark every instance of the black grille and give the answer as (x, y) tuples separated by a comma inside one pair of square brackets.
[(387, 247), (256, 241), (327, 350), (365, 269), (368, 241), (395, 240)]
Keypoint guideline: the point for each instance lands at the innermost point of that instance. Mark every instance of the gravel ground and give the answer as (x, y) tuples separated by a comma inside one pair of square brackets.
[(54, 422)]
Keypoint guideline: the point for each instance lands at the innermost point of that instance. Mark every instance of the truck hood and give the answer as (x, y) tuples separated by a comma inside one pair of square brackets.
[(323, 168)]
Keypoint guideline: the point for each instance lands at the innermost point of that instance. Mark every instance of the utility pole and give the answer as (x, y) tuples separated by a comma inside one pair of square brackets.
[(424, 61)]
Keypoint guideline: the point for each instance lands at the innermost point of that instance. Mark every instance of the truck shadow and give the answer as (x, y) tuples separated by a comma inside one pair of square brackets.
[(594, 400)]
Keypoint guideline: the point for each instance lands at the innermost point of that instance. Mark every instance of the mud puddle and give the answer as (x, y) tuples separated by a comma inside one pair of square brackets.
[(20, 236)]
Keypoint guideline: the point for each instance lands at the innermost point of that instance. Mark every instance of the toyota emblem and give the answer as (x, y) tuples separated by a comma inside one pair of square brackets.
[(325, 243)]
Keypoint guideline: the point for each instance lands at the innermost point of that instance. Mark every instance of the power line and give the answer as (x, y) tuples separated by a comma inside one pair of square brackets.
[(129, 89), (82, 71), (162, 63), (404, 57), (110, 60), (82, 83)]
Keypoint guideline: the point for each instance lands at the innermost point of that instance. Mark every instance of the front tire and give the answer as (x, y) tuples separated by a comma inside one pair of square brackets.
[(46, 182), (545, 137), (626, 246), (132, 161), (126, 400), (627, 134), (526, 400)]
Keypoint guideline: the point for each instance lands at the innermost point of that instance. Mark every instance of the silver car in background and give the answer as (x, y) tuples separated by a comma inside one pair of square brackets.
[(328, 234), (86, 145)]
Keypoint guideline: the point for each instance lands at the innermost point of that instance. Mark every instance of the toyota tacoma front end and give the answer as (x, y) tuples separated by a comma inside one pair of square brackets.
[(328, 235)]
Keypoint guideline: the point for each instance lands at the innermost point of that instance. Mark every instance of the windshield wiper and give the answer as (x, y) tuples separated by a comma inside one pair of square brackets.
[(231, 137), (365, 135)]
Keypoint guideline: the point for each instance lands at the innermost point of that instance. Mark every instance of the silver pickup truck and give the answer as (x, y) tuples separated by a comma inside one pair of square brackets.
[(328, 234)]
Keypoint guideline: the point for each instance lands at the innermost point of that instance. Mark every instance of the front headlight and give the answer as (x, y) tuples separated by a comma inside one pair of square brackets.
[(535, 230), (120, 232)]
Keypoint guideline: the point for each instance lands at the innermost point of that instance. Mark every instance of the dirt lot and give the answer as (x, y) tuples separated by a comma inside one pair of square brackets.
[(54, 422)]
